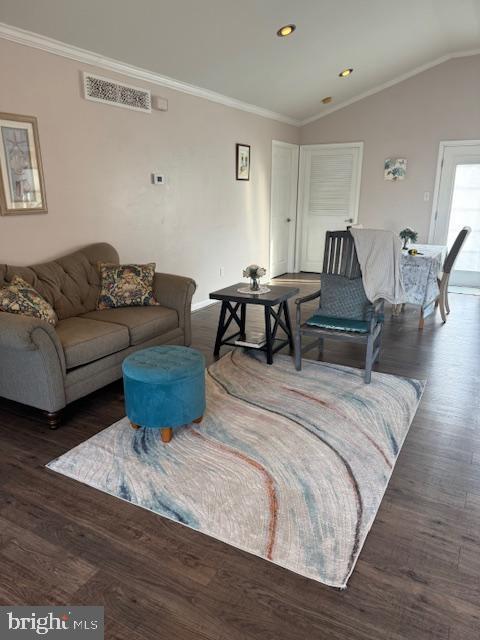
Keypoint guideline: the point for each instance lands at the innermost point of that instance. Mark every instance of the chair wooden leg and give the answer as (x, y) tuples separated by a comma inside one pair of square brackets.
[(298, 351), (421, 322), (442, 309), (378, 344), (447, 305), (320, 349), (166, 434), (369, 360)]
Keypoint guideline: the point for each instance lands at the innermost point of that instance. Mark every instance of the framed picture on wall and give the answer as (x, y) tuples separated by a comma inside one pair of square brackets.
[(243, 161), (22, 187)]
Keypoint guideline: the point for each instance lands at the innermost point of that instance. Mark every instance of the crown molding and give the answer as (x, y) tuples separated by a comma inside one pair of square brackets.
[(391, 83), (44, 43), (50, 45)]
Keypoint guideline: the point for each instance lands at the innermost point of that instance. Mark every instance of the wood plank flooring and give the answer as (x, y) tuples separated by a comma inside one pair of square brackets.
[(418, 576)]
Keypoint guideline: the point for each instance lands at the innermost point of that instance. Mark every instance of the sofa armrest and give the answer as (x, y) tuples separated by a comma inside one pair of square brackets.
[(176, 292), (32, 360), (20, 332)]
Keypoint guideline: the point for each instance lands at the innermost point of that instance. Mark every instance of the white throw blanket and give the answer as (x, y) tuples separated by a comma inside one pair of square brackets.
[(379, 253)]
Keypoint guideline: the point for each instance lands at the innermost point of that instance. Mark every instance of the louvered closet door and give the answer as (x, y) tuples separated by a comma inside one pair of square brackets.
[(329, 193)]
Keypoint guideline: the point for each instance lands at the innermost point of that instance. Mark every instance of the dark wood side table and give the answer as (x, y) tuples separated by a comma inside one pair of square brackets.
[(234, 308)]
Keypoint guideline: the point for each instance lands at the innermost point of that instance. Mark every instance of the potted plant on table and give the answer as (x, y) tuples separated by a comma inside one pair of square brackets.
[(408, 235), (254, 272)]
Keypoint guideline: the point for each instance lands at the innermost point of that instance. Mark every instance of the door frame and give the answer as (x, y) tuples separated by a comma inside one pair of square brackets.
[(293, 257), (444, 144), (301, 189)]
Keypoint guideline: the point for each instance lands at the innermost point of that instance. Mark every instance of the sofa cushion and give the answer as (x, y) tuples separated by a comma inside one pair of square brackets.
[(19, 297), (143, 323), (338, 324), (343, 297), (70, 284), (86, 340), (126, 285)]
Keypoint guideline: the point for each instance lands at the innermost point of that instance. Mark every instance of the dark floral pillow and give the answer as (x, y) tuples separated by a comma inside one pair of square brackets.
[(126, 285), (19, 297)]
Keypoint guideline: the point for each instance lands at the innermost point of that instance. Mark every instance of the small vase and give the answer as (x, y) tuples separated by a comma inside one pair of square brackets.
[(254, 285)]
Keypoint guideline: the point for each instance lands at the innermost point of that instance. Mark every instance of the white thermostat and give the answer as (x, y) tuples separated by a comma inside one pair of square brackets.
[(158, 178)]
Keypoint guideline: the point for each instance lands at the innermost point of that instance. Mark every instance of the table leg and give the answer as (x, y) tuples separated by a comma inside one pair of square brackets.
[(288, 324), (421, 322), (220, 330), (268, 335), (243, 320)]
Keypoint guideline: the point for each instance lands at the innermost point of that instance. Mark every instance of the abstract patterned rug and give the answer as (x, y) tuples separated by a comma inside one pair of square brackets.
[(288, 466)]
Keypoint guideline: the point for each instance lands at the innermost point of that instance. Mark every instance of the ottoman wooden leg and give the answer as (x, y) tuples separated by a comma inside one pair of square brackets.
[(134, 426), (166, 434), (198, 420)]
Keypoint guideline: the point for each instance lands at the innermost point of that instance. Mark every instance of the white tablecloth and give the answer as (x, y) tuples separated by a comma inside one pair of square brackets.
[(420, 273)]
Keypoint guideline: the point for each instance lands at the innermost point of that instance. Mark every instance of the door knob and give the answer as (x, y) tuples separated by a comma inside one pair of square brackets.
[(289, 219), (349, 220)]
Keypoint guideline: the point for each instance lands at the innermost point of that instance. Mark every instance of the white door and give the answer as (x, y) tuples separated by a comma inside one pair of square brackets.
[(329, 193), (283, 214), (458, 205)]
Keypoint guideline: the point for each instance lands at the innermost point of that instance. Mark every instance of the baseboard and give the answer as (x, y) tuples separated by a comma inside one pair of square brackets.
[(204, 303)]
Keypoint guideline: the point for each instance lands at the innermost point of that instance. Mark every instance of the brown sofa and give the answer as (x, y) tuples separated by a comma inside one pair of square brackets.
[(48, 367)]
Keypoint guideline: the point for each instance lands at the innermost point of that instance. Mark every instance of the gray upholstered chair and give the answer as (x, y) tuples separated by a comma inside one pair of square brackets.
[(340, 260), (442, 300)]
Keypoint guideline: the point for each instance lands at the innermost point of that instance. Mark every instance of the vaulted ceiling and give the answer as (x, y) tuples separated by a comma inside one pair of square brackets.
[(231, 46)]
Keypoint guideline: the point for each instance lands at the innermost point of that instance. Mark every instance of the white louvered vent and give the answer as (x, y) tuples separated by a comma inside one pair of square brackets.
[(116, 93), (331, 184)]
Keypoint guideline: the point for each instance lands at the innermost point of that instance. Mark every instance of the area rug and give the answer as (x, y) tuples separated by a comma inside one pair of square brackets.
[(290, 466)]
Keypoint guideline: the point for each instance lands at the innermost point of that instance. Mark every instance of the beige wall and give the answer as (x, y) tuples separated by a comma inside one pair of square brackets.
[(98, 160), (407, 120)]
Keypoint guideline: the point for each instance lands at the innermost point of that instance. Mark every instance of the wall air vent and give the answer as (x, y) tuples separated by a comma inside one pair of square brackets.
[(118, 94)]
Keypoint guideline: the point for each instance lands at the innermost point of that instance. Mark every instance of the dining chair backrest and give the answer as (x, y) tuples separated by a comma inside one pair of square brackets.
[(455, 250), (340, 257)]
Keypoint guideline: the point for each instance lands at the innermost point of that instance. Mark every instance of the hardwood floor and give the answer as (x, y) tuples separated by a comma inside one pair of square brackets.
[(418, 576)]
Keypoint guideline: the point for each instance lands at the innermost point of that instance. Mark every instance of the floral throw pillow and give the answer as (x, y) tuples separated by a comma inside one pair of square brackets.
[(126, 285), (19, 297)]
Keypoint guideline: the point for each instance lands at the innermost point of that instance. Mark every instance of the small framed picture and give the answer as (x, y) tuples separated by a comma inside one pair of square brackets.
[(395, 169), (243, 161), (22, 188)]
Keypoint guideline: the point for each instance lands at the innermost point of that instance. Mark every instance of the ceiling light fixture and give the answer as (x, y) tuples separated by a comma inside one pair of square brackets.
[(345, 73), (327, 100), (286, 30)]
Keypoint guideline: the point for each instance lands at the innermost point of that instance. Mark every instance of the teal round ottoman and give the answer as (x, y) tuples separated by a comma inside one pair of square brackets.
[(164, 388)]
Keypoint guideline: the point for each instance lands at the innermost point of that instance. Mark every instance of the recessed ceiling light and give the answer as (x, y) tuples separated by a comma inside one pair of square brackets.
[(327, 100), (345, 73), (286, 30)]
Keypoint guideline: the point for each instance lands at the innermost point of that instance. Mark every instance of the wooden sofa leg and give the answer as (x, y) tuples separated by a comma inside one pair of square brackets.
[(53, 419)]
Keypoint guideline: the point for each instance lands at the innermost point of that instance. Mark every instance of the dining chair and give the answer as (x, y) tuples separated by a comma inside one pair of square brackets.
[(452, 255), (341, 261)]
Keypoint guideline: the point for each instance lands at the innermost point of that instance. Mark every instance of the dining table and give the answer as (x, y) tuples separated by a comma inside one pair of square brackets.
[(420, 273)]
